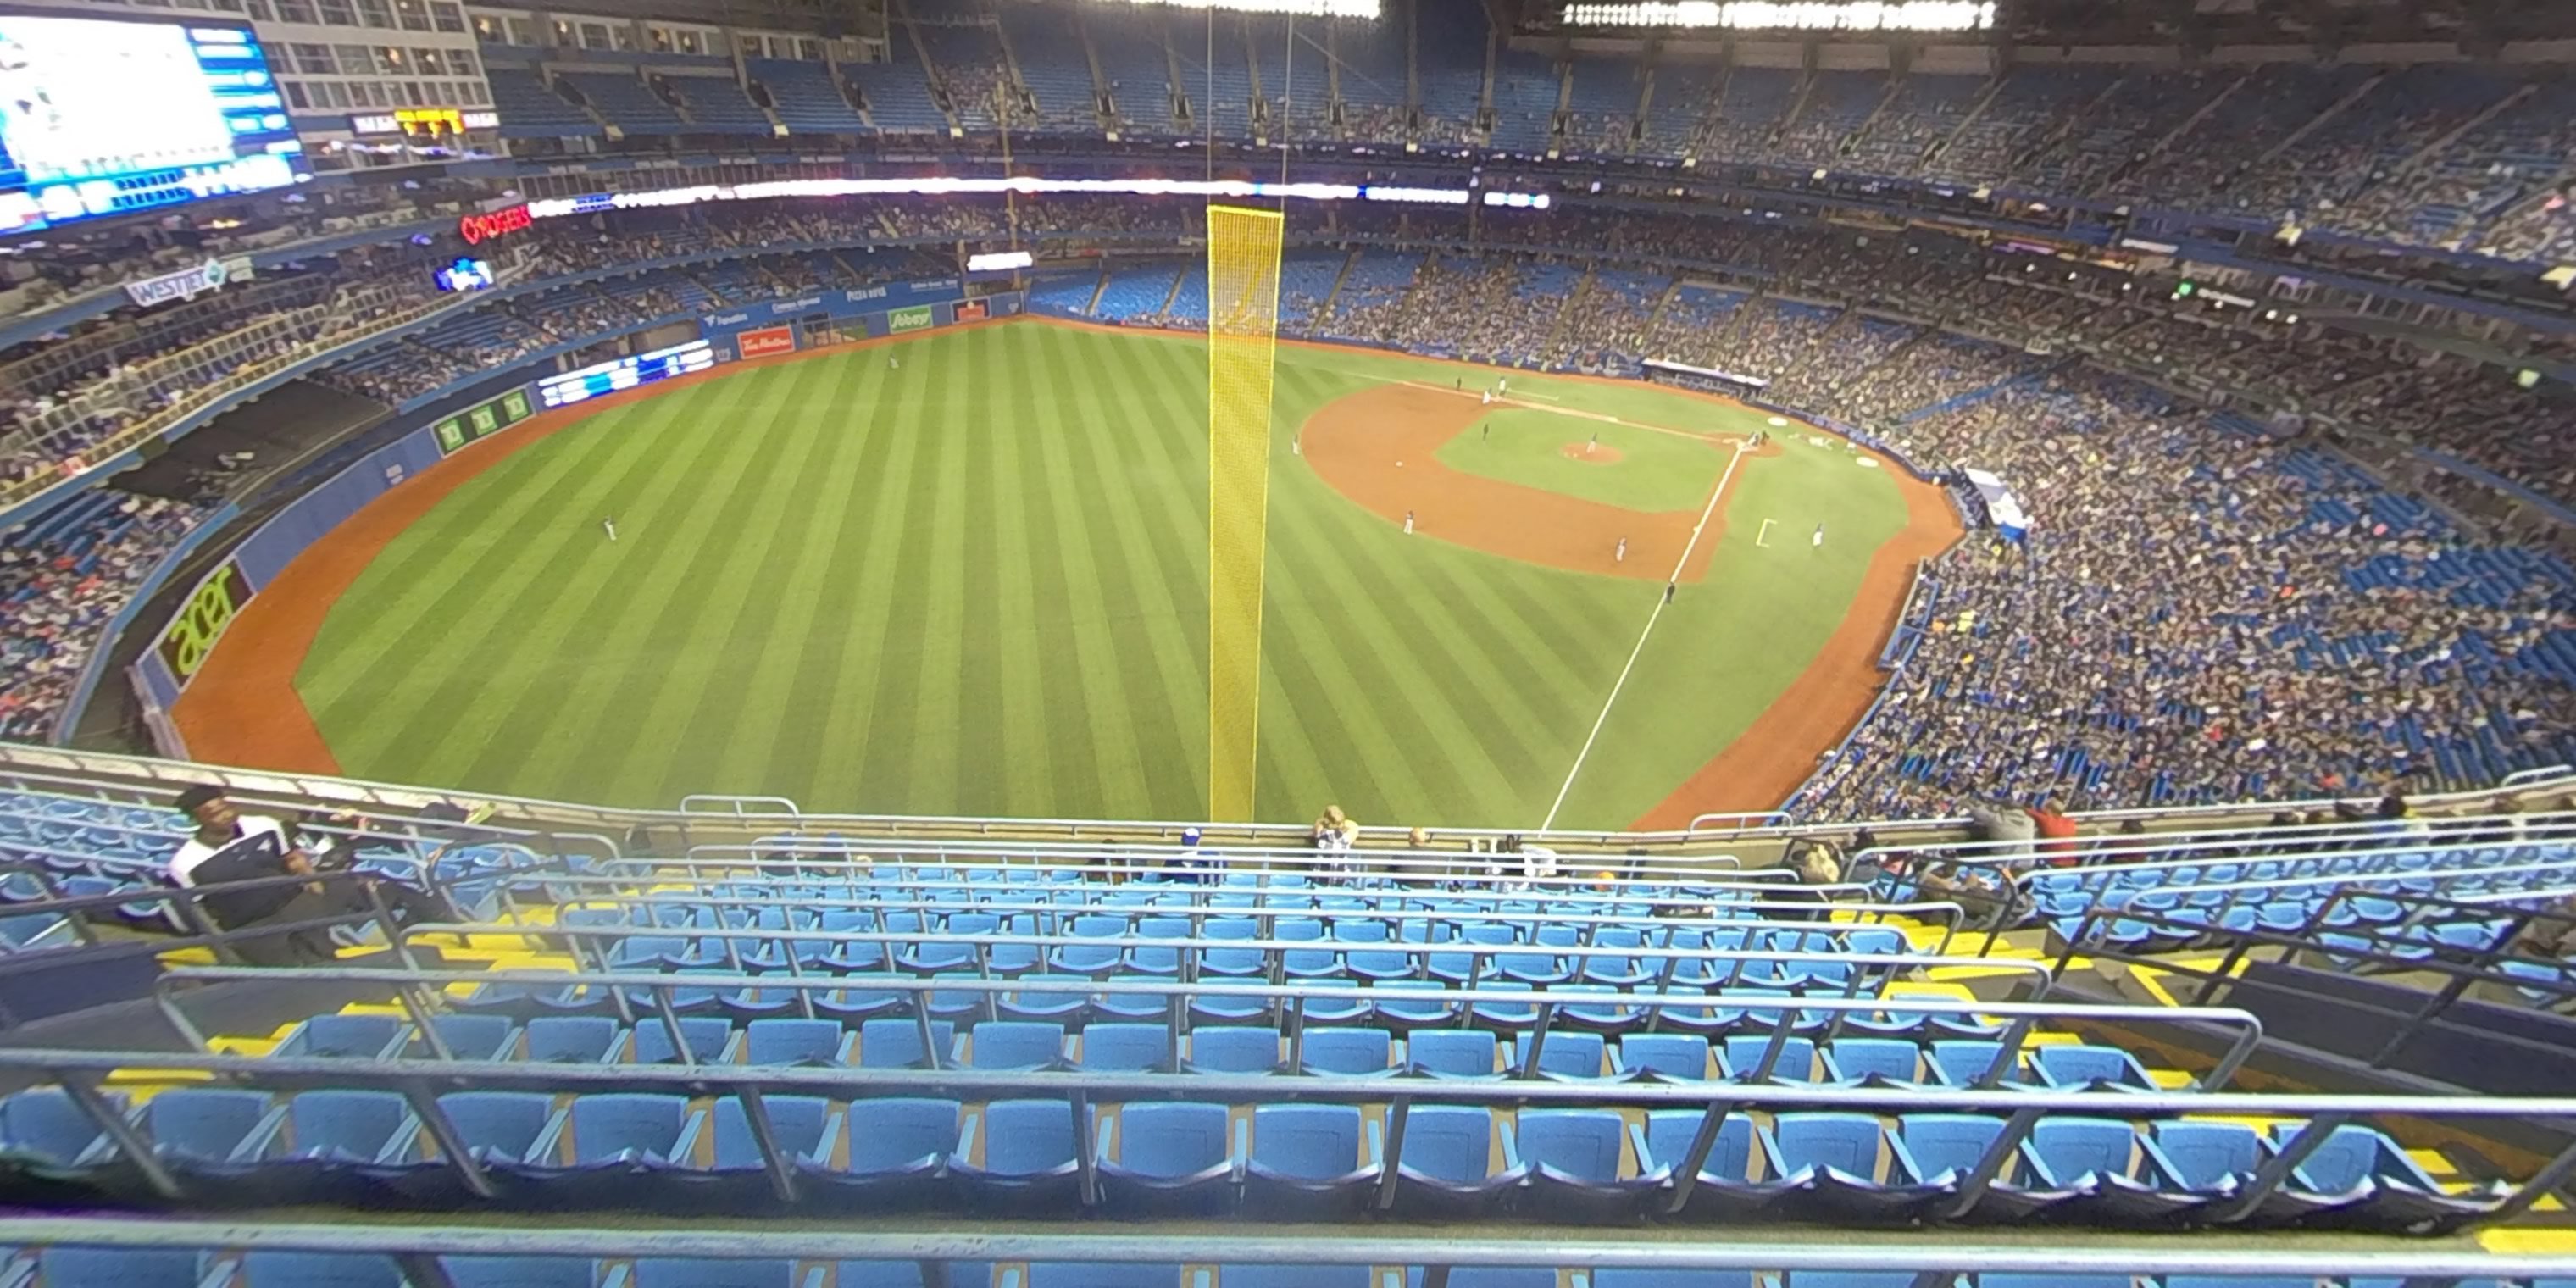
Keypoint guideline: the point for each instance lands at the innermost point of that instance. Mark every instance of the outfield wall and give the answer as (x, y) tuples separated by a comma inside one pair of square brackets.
[(183, 642)]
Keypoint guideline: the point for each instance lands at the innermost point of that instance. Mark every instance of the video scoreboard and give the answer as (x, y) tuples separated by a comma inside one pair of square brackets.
[(625, 373)]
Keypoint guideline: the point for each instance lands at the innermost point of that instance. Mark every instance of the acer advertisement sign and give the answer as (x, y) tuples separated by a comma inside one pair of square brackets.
[(480, 228), (765, 341)]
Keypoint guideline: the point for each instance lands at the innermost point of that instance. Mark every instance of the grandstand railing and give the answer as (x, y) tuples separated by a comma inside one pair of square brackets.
[(2357, 947), (420, 1245), (78, 1072)]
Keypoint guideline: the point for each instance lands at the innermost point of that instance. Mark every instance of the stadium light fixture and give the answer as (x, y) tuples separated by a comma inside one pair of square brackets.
[(1297, 8), (1795, 15)]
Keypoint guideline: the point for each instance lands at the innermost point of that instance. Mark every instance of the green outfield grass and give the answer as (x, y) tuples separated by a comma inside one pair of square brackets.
[(976, 584), (1655, 470)]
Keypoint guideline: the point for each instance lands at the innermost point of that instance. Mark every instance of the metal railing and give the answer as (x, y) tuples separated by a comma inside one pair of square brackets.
[(2374, 948), (1933, 1263)]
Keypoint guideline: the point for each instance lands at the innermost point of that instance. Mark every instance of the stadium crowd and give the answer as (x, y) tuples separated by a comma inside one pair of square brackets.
[(63, 577), (2200, 609)]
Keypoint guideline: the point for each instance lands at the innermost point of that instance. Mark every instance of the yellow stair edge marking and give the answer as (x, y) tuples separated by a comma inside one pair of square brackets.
[(2153, 981), (1930, 990), (2516, 1239), (2169, 1079), (188, 957)]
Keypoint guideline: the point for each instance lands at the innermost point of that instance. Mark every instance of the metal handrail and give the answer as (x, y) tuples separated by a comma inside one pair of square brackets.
[(1924, 910), (1128, 860), (2100, 851), (1141, 1241)]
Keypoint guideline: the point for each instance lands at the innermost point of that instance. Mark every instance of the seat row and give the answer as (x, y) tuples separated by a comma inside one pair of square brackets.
[(66, 1265), (1108, 1047), (1352, 1051), (1283, 1160), (1398, 1003)]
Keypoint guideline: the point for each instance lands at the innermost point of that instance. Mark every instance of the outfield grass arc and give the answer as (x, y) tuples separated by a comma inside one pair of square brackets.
[(976, 584)]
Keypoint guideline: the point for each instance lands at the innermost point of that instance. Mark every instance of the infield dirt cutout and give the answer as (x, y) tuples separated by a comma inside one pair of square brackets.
[(1355, 442), (1380, 447)]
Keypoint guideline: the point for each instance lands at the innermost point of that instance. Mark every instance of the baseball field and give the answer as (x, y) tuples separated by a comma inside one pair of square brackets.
[(965, 573)]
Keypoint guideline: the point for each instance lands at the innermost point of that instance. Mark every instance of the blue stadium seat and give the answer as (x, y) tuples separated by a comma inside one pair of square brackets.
[(797, 1042), (1015, 1044), (1445, 1164), (1028, 1150), (1573, 1157), (468, 1037), (694, 1272), (1101, 1274), (1568, 1056), (271, 1269), (1740, 1057), (1125, 1048), (2098, 1068), (1170, 1157), (520, 1272), (75, 1266), (356, 1037), (1347, 1052), (569, 1039), (1607, 1278), (1681, 1057), (499, 1126), (805, 1128), (1726, 1188), (708, 1037), (199, 1127), (898, 1154), (896, 1044), (1232, 1050), (45, 1125), (1452, 1053), (1267, 1276), (1311, 1162)]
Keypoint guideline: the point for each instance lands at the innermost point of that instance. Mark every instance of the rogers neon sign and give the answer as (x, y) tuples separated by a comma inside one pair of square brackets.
[(478, 229)]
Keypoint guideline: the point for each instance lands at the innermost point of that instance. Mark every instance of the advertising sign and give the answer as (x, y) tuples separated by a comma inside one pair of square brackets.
[(201, 621), (912, 319), (766, 341)]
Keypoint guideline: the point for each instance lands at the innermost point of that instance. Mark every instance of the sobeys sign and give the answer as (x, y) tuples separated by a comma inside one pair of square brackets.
[(911, 319)]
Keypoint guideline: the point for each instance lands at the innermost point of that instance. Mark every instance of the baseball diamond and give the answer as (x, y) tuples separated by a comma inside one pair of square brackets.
[(970, 583)]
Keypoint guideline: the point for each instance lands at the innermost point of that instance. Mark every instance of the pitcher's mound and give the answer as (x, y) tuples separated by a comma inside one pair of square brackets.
[(1591, 453)]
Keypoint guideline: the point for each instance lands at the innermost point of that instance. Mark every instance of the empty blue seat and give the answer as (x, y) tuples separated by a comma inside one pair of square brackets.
[(1500, 1277), (2098, 1067), (468, 1037), (797, 1042), (1028, 1156), (343, 1036), (45, 1125), (1452, 1053), (1270, 1276), (1563, 1055), (1169, 1157), (1725, 1188), (74, 1266), (1573, 1157), (707, 1037), (1311, 1162), (569, 1039), (1678, 1056), (1347, 1052), (627, 1128), (520, 1272), (1232, 1050), (1015, 1044), (898, 1150), (1880, 1060), (345, 1126), (1100, 1274), (804, 1128), (897, 1044), (694, 1272), (1445, 1163), (1741, 1058), (1125, 1048), (203, 1125), (274, 1269)]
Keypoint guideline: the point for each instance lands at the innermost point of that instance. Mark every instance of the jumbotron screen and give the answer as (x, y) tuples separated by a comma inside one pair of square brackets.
[(108, 116)]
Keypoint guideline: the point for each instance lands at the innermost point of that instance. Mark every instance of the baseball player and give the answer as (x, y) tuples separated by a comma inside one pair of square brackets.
[(1819, 538), (1408, 523), (610, 523), (1621, 554)]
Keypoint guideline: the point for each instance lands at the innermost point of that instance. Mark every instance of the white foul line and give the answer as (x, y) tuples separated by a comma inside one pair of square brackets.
[(1651, 618)]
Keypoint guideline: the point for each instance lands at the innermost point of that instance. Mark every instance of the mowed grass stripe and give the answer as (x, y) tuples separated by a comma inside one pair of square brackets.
[(1155, 530), (1072, 743), (937, 592), (1020, 728), (1075, 487), (853, 726), (480, 610), (890, 752), (797, 757), (985, 651), (548, 708), (792, 582), (749, 635), (694, 599)]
